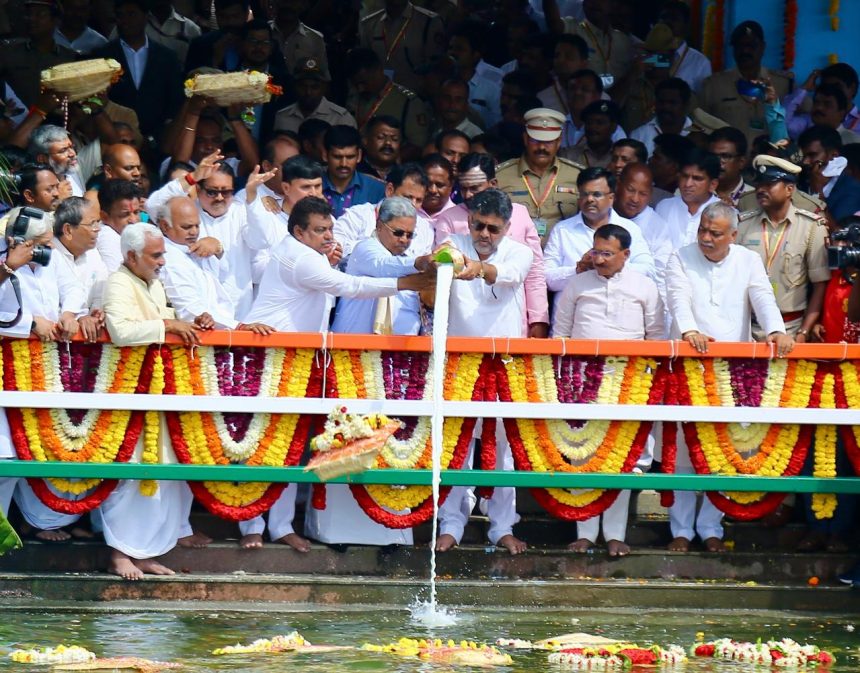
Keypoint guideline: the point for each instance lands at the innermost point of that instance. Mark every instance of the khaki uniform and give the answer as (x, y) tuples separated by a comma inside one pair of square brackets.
[(720, 98), (22, 65), (801, 260), (610, 52), (413, 40), (402, 104), (582, 155), (561, 200), (801, 200), (290, 117), (304, 43)]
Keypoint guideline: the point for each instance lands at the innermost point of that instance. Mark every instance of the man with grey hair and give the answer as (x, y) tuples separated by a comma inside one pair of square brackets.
[(713, 286), (139, 528), (487, 299), (52, 145), (383, 255)]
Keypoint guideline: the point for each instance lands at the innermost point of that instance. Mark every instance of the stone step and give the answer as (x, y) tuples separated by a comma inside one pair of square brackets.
[(226, 559), (323, 589)]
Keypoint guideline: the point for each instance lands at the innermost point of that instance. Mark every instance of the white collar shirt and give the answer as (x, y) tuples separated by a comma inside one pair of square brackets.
[(298, 288), (108, 246), (692, 66), (651, 129), (193, 291), (570, 239), (484, 96), (682, 227), (717, 298), (89, 269), (356, 316), (359, 222), (480, 309), (625, 306), (136, 60), (89, 40)]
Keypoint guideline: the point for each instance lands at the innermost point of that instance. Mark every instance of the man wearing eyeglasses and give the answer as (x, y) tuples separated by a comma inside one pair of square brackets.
[(487, 299), (384, 254), (609, 301), (568, 250)]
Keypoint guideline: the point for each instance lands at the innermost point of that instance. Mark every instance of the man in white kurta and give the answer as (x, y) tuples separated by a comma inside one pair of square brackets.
[(487, 299), (385, 254), (75, 248), (713, 286), (296, 294), (119, 205), (139, 527), (610, 301)]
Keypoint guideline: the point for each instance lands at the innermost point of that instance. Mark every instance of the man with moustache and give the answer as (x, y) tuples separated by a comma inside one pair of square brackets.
[(38, 187), (381, 139), (625, 152), (53, 146), (791, 243), (343, 186), (600, 119), (119, 205)]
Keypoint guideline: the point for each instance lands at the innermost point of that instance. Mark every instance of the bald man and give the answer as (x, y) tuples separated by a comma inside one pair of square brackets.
[(119, 161), (274, 154)]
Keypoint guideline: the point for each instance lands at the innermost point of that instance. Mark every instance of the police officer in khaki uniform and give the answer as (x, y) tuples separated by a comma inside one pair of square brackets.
[(311, 79), (297, 41), (376, 95), (541, 180), (722, 93), (791, 244), (405, 37)]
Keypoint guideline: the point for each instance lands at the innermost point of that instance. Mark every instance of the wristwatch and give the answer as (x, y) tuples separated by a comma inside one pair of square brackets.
[(803, 332)]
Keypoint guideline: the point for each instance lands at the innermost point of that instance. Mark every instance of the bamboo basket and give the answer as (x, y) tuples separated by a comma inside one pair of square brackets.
[(81, 79), (231, 88)]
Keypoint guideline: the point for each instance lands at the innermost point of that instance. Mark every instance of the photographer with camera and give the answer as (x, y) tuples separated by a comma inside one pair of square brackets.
[(845, 255)]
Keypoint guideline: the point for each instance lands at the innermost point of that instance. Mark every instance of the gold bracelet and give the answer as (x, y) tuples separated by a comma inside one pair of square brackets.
[(189, 128)]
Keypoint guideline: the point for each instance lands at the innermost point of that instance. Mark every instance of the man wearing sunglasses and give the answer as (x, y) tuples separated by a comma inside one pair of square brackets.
[(609, 301), (487, 299)]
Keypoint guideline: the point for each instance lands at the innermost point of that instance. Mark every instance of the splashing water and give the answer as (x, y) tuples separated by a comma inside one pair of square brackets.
[(432, 616)]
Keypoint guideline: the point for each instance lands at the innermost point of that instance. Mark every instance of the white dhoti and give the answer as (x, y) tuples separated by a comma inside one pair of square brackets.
[(39, 515), (143, 526), (281, 517), (683, 520), (614, 521), (7, 487), (7, 484), (344, 522), (501, 507)]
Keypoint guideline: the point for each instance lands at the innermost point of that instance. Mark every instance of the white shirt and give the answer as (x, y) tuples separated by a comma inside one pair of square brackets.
[(15, 108), (89, 269), (298, 289), (192, 290), (355, 316), (480, 309), (88, 41), (625, 306), (108, 248), (651, 129), (484, 96), (570, 239), (136, 60), (716, 298), (682, 227), (75, 181), (692, 66), (359, 222), (654, 230)]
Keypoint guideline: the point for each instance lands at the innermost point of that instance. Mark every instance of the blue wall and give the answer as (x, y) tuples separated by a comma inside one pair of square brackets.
[(815, 41)]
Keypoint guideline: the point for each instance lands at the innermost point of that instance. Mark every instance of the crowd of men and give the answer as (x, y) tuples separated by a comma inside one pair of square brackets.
[(600, 180)]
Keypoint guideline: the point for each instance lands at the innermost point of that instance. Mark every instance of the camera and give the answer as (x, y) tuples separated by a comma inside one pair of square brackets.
[(842, 256), (750, 89), (41, 253)]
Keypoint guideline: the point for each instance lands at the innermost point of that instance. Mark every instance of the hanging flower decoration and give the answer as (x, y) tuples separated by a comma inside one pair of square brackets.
[(833, 13), (788, 52)]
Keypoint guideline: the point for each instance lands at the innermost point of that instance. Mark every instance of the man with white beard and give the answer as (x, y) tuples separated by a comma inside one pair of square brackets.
[(53, 146)]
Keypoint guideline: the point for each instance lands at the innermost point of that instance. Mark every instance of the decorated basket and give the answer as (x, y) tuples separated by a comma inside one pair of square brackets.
[(81, 79), (232, 88)]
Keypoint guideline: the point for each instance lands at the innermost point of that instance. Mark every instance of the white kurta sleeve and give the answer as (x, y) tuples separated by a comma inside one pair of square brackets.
[(349, 229), (316, 274), (513, 269), (264, 229), (761, 296), (161, 196), (680, 293), (8, 309), (557, 272), (377, 262), (655, 315), (564, 313), (73, 294), (641, 259)]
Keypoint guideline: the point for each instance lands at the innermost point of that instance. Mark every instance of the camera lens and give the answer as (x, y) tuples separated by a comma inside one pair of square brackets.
[(41, 255)]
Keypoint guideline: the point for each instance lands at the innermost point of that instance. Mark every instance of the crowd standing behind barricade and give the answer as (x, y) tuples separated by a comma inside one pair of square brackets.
[(600, 180)]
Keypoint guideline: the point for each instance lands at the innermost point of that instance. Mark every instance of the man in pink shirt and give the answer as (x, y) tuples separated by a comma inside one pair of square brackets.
[(476, 173)]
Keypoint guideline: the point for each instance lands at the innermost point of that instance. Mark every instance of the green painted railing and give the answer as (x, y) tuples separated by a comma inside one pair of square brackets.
[(678, 482)]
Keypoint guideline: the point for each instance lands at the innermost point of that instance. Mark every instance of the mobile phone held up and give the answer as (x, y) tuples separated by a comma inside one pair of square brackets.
[(658, 60), (750, 89)]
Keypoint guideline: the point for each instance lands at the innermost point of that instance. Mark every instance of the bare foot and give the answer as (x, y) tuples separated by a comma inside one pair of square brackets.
[(512, 544), (445, 542), (714, 545), (153, 567), (122, 565), (617, 548), (56, 535), (295, 541), (194, 541), (679, 544), (82, 533), (251, 541), (581, 546)]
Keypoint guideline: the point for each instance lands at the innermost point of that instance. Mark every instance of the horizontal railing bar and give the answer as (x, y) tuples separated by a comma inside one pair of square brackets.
[(534, 410), (580, 347), (680, 482)]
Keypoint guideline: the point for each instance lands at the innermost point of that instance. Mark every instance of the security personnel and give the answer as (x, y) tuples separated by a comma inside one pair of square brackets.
[(791, 243), (297, 41), (541, 180), (311, 79), (405, 37), (723, 92)]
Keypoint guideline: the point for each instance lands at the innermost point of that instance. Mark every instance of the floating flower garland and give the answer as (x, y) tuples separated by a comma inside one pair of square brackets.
[(617, 656), (291, 641), (782, 653), (61, 654), (441, 651)]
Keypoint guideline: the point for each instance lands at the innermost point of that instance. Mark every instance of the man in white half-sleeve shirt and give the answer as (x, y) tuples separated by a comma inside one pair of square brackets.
[(296, 294), (567, 250), (698, 181), (357, 223), (610, 302), (385, 254), (119, 206), (713, 286), (487, 299)]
